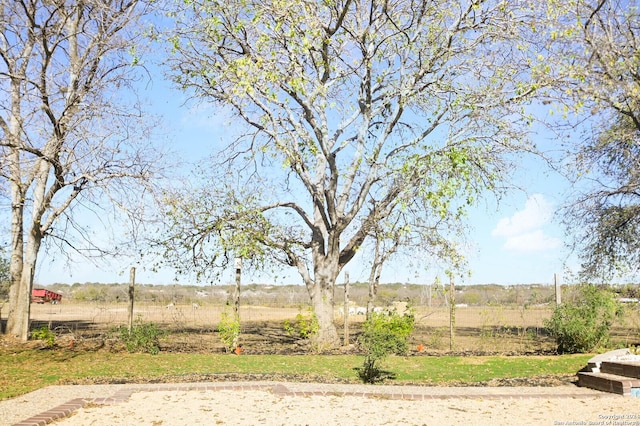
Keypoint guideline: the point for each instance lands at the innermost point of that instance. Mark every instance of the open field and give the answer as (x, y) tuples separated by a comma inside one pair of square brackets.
[(488, 318), (207, 315)]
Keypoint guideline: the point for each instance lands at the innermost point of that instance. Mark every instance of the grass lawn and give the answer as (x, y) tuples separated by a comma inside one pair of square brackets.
[(22, 371)]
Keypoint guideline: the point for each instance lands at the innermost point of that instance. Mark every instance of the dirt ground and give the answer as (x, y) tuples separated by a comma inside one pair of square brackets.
[(193, 328)]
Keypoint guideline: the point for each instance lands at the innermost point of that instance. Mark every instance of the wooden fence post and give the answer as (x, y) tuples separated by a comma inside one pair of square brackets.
[(558, 286), (346, 309), (452, 312), (132, 283), (236, 293)]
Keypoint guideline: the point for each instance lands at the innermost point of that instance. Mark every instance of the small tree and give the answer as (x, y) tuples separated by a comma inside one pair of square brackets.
[(584, 324), (229, 329), (383, 335)]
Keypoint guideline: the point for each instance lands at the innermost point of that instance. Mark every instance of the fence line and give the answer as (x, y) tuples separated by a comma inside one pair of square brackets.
[(490, 315)]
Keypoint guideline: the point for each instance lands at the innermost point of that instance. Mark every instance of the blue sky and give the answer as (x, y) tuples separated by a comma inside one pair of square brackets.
[(516, 241)]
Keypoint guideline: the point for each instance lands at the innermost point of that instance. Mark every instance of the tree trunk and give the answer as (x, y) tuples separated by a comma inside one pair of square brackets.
[(374, 278), (322, 301), (16, 265), (20, 294), (24, 254), (322, 294), (326, 267)]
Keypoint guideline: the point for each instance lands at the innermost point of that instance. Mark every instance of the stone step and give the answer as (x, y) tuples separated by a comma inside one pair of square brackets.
[(621, 368), (613, 356), (612, 383)]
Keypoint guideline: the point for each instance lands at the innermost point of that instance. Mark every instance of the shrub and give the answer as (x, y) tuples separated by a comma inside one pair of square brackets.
[(383, 335), (143, 337), (5, 277), (305, 325), (229, 329), (43, 333), (584, 324)]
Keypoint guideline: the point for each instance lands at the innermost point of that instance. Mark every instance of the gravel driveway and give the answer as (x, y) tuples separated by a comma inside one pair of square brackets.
[(280, 403)]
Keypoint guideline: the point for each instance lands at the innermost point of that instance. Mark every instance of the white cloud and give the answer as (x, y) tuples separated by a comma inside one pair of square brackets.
[(532, 241), (537, 212), (524, 230)]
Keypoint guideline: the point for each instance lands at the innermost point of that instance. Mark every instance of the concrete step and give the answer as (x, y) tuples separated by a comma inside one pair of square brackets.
[(621, 368), (608, 382)]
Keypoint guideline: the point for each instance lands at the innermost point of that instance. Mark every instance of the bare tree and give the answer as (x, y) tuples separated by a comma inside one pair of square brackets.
[(594, 49), (354, 110), (71, 130)]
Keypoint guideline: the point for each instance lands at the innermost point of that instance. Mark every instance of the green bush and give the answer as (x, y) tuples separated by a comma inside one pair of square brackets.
[(5, 276), (229, 329), (43, 333), (584, 324), (143, 337), (305, 325), (383, 335)]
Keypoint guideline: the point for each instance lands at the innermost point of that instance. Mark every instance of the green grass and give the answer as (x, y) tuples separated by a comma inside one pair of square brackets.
[(22, 371)]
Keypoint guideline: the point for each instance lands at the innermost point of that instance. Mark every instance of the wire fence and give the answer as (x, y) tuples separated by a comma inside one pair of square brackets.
[(486, 318)]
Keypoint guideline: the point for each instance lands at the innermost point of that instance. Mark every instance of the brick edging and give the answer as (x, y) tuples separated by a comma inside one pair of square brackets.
[(55, 413)]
